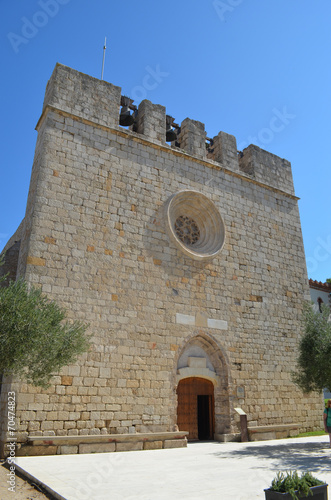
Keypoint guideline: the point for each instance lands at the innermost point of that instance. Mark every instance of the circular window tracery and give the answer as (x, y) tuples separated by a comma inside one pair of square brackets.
[(194, 224), (187, 230)]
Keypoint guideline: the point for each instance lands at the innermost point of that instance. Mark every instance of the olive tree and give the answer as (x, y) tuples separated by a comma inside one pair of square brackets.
[(313, 372), (36, 339)]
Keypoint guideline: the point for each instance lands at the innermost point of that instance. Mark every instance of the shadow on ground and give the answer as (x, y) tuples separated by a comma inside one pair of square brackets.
[(292, 456)]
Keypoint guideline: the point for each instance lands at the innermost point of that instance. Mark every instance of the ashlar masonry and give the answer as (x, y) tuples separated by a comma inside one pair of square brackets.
[(187, 262)]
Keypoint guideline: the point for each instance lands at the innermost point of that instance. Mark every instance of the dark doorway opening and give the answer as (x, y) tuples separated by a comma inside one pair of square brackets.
[(204, 417), (195, 412)]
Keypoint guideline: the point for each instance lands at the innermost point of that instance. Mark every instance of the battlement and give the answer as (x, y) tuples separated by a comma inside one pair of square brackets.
[(100, 102)]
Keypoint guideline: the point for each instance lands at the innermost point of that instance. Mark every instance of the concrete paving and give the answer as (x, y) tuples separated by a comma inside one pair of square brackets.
[(205, 470)]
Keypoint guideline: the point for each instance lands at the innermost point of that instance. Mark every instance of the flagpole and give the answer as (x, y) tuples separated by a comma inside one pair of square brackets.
[(103, 58)]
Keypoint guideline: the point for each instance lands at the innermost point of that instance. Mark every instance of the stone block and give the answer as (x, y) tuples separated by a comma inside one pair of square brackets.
[(129, 446), (185, 319), (175, 443), (228, 438), (218, 324), (67, 450), (261, 436), (282, 434), (35, 261), (66, 380), (31, 451), (96, 448), (153, 445)]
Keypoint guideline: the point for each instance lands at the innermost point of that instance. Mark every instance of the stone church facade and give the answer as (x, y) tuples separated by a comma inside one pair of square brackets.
[(187, 262)]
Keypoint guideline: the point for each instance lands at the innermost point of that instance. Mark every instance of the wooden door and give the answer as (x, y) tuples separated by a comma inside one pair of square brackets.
[(195, 412)]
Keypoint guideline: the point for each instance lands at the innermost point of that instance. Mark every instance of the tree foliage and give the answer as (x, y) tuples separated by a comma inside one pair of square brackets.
[(313, 365), (36, 340)]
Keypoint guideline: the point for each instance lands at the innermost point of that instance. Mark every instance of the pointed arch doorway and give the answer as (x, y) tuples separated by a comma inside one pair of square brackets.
[(202, 369), (196, 408)]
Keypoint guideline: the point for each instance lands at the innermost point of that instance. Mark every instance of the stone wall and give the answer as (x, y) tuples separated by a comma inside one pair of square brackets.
[(96, 241)]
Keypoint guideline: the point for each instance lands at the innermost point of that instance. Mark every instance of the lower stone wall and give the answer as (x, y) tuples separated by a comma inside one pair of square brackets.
[(266, 432), (107, 443)]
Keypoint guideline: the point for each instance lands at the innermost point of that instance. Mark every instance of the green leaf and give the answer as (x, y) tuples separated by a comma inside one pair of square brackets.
[(36, 339)]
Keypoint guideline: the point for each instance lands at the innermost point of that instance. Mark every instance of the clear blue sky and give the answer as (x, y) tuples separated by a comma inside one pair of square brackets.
[(234, 65)]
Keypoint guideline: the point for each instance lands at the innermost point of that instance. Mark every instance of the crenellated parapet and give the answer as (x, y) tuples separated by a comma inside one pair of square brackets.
[(100, 102)]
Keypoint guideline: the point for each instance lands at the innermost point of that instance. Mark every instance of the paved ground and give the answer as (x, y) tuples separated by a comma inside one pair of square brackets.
[(238, 471)]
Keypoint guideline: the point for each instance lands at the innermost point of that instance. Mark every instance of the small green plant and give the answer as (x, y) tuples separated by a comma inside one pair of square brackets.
[(291, 483)]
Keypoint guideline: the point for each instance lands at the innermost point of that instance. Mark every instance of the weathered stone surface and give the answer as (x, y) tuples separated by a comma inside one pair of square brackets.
[(228, 438), (27, 451), (153, 445), (67, 450), (97, 448), (282, 434), (129, 446), (262, 436), (94, 239), (175, 443)]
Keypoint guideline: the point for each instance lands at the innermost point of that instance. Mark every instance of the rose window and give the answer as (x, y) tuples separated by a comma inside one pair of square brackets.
[(187, 230), (194, 224)]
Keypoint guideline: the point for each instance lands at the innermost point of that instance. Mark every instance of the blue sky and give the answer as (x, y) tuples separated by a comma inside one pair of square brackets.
[(235, 65)]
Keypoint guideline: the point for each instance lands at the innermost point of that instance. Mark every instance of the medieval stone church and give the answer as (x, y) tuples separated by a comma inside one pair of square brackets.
[(185, 257)]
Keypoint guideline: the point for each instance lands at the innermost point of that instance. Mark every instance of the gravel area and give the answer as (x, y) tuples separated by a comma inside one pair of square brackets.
[(23, 489)]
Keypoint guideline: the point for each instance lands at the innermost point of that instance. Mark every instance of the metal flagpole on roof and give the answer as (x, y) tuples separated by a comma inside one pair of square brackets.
[(103, 58)]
